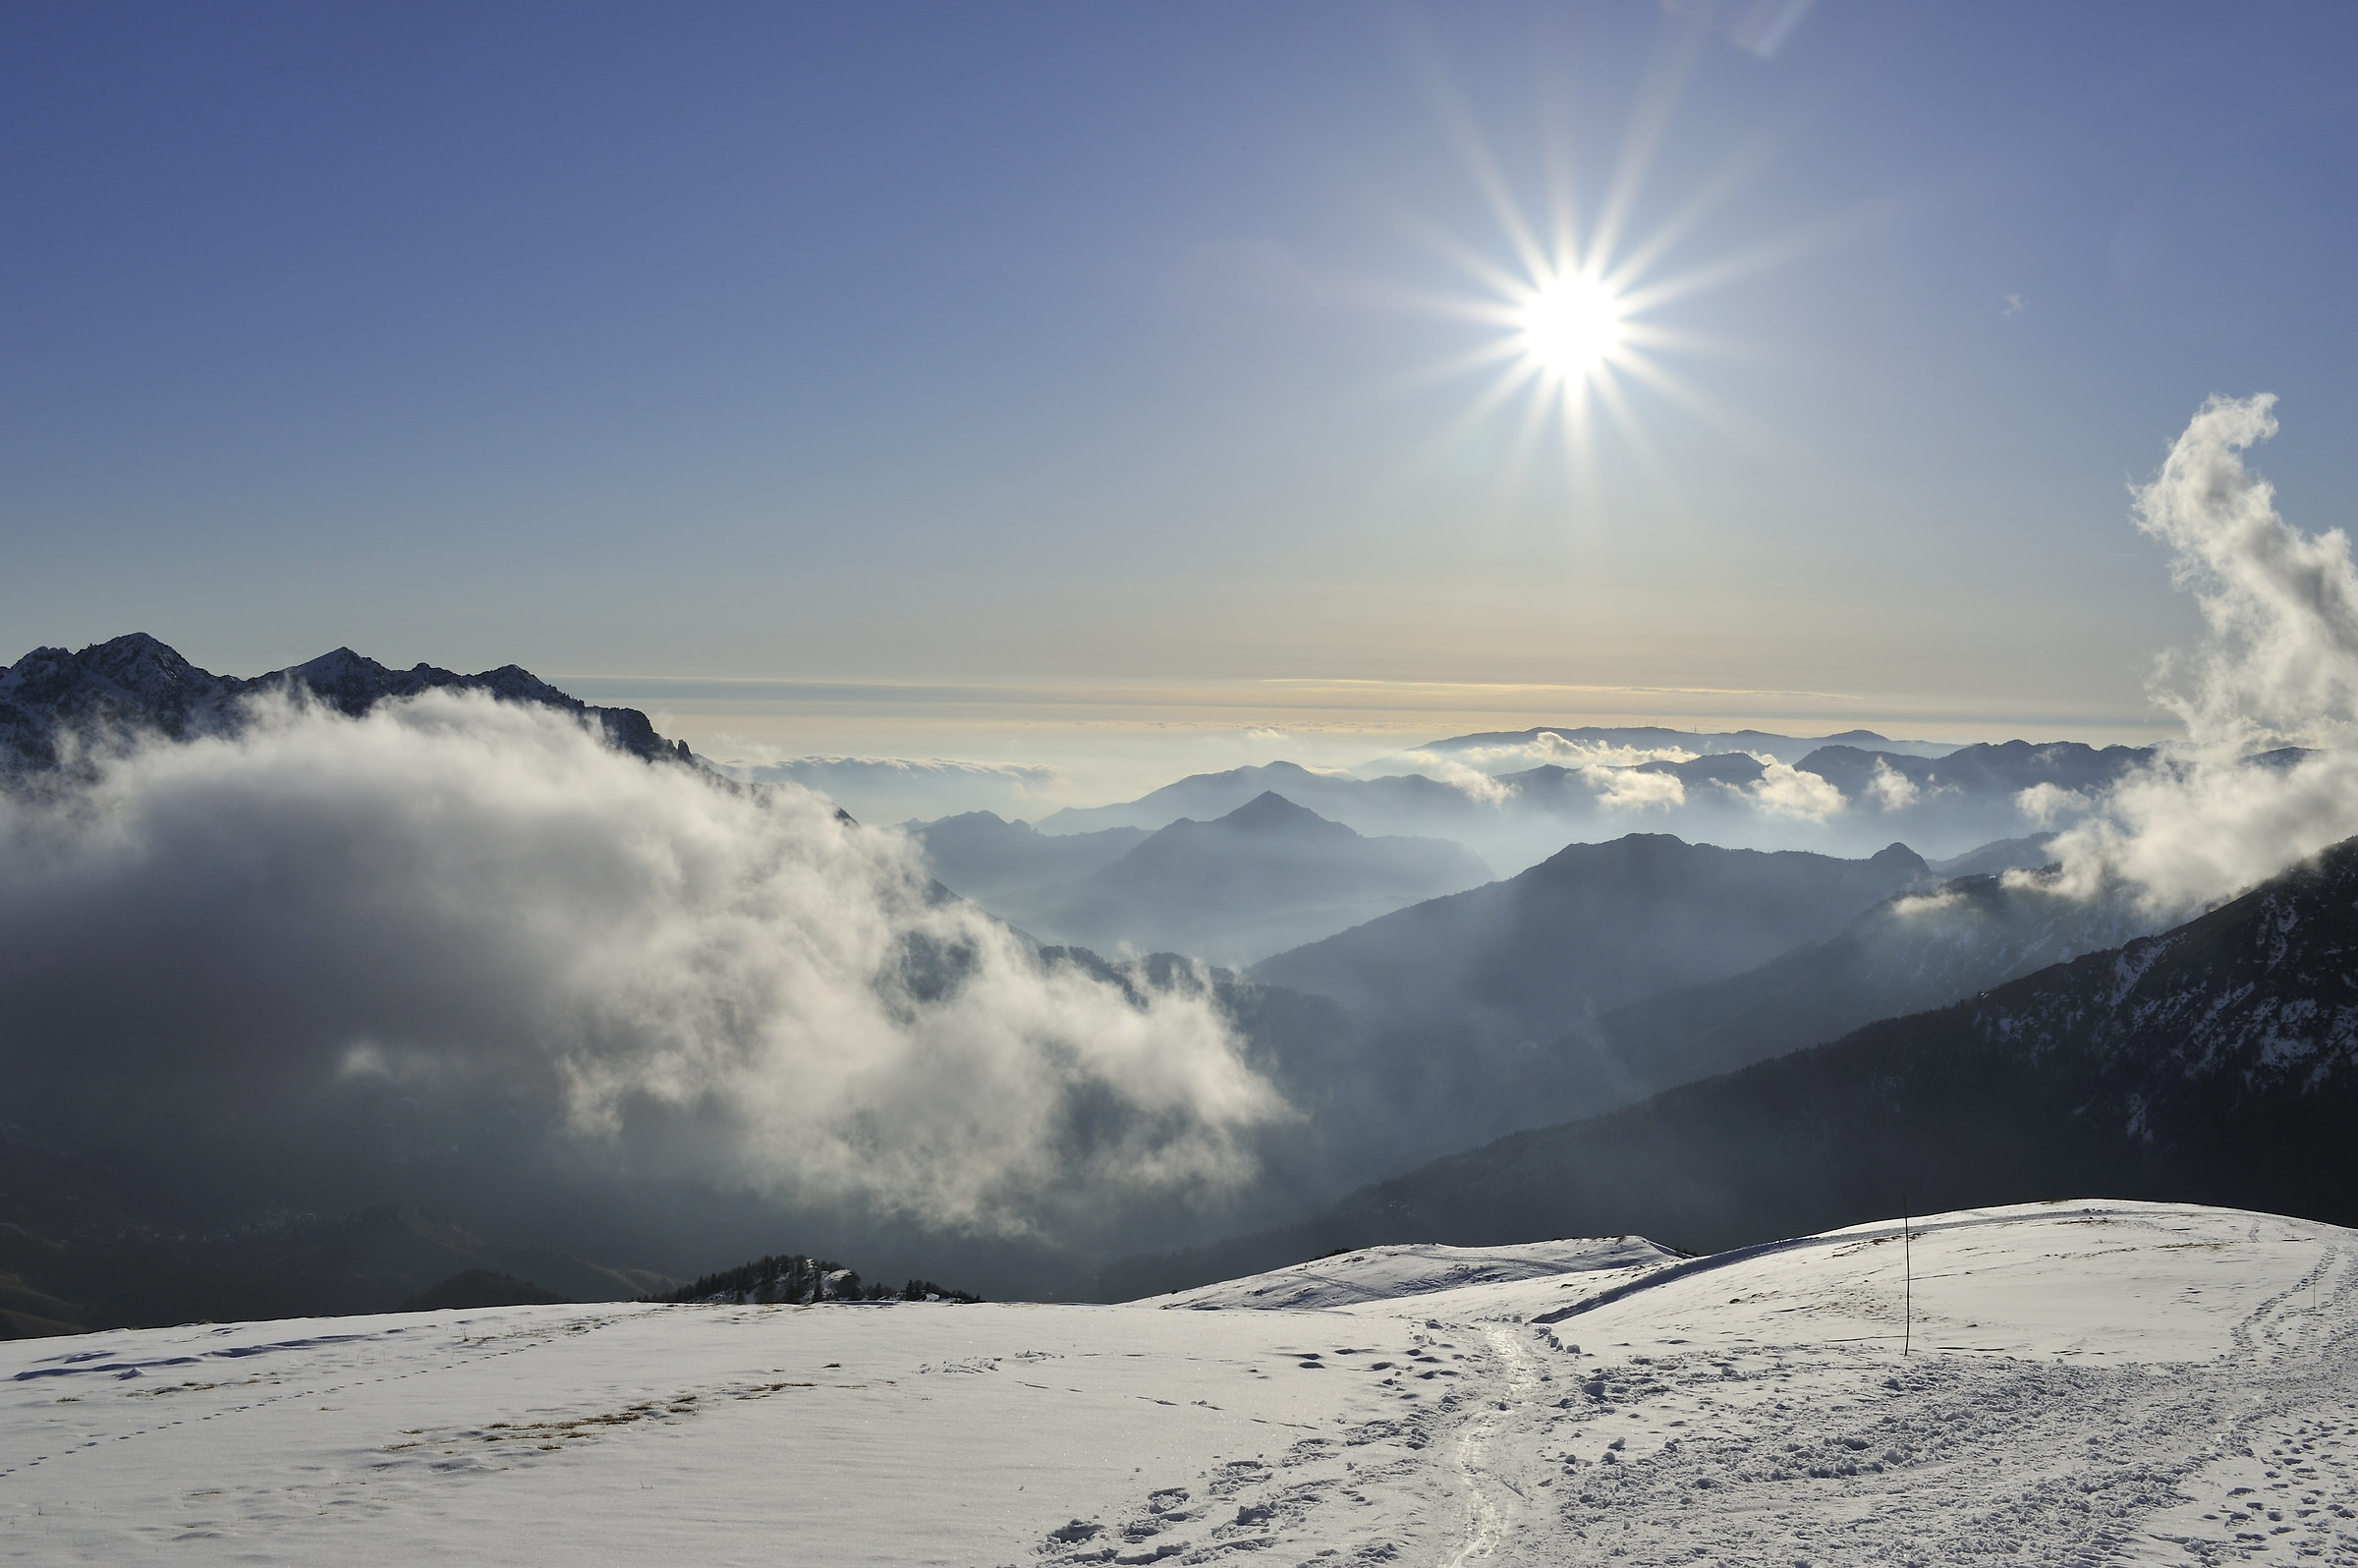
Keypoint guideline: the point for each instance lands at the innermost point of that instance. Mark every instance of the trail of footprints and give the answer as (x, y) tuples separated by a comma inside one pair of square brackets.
[(1735, 1454), (284, 1387), (1314, 1486)]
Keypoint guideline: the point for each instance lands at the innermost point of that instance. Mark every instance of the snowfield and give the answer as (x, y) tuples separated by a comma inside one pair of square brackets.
[(2086, 1382)]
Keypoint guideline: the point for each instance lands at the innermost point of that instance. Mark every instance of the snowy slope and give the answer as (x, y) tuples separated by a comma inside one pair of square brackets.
[(2088, 1382), (1392, 1273)]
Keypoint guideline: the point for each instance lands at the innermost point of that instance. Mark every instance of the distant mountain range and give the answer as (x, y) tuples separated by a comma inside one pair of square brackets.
[(1488, 747), (137, 683), (1264, 877), (1839, 798), (2216, 1062)]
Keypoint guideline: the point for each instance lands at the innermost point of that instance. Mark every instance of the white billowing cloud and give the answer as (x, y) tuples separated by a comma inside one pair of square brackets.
[(1935, 905), (1627, 789), (2048, 803), (2279, 666), (1787, 791), (692, 978), (1891, 789)]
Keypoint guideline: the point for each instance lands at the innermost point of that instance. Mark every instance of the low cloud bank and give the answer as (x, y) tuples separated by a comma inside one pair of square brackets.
[(2276, 672), (456, 900)]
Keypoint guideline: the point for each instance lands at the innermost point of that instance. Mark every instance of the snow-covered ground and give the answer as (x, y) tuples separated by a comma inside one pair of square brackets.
[(2085, 1383)]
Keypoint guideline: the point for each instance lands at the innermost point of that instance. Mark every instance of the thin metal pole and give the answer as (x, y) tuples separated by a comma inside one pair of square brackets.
[(1907, 1263)]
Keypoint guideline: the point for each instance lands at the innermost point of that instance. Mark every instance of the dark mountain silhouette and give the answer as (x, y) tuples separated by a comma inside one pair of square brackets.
[(52, 700), (1593, 927), (978, 855), (1264, 877), (2215, 1063)]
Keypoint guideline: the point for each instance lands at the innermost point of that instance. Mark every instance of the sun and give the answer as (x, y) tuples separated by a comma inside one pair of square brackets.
[(1571, 327), (1574, 305)]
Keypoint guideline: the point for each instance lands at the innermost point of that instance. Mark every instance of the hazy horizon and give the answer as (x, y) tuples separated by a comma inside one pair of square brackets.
[(806, 378)]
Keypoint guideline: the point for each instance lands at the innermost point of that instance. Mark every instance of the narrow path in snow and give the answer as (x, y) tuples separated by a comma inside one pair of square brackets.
[(1488, 1510)]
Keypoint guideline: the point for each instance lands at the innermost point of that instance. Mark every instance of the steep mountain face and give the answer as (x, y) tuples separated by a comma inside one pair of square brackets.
[(52, 700), (1265, 877), (2214, 1063), (979, 854), (1594, 927), (1905, 955)]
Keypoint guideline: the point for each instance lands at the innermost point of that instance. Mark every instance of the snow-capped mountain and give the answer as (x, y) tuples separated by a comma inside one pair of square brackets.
[(136, 683)]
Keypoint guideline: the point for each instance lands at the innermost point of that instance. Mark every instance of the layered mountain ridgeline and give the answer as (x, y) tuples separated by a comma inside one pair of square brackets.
[(796, 1280), (1910, 953), (1266, 876), (52, 700), (1487, 748), (1855, 785), (121, 1273), (2214, 1063), (1593, 927), (981, 856)]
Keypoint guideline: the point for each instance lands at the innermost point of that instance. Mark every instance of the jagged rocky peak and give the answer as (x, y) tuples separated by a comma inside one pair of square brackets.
[(136, 682)]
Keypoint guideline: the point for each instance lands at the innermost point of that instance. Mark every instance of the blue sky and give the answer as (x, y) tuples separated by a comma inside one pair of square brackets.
[(1046, 350)]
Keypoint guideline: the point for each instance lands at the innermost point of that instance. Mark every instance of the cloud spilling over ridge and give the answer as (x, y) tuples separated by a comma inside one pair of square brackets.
[(2277, 668), (462, 898), (1606, 768)]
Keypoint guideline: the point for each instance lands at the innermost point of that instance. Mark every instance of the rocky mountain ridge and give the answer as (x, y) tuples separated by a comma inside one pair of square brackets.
[(55, 703)]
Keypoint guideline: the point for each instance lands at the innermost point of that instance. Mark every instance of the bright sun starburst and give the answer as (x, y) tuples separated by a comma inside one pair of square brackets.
[(1570, 315), (1571, 327)]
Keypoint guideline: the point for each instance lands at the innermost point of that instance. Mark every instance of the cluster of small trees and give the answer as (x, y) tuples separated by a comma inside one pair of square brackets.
[(797, 1280)]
